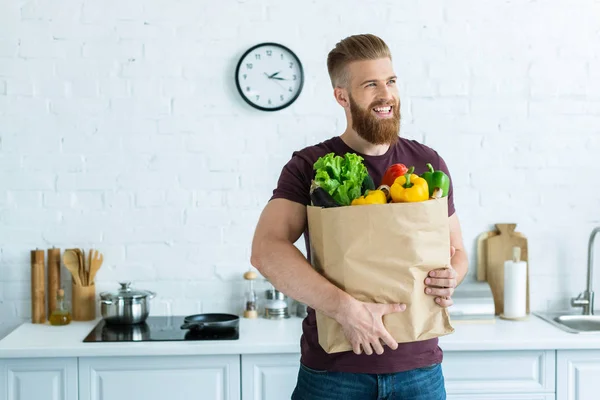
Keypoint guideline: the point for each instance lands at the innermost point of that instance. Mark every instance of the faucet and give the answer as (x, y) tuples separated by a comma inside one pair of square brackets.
[(586, 298)]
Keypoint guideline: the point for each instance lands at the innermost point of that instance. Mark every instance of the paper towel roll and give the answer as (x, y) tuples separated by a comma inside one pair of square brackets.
[(515, 289)]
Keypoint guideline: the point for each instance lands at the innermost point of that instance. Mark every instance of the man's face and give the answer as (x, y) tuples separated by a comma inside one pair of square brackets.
[(374, 100)]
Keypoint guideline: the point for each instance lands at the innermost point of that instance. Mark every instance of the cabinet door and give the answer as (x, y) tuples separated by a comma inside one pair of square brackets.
[(159, 378), (269, 377), (578, 374), (38, 378), (515, 372)]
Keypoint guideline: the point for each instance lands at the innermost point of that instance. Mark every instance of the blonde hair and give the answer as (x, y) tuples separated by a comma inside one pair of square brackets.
[(354, 48)]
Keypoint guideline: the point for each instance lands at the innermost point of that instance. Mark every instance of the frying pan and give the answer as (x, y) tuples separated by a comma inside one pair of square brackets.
[(212, 322)]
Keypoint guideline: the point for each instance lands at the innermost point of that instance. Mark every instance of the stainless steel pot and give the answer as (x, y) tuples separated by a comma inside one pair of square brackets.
[(126, 306)]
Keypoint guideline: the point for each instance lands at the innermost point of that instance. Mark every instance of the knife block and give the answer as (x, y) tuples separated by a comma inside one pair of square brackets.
[(84, 302)]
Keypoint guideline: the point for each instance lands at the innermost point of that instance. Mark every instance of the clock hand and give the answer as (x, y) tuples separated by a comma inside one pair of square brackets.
[(273, 75), (280, 85), (280, 79)]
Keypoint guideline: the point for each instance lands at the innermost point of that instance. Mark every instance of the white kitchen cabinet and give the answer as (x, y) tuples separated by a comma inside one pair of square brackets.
[(485, 375), (500, 372), (159, 378), (269, 376), (578, 375), (38, 379)]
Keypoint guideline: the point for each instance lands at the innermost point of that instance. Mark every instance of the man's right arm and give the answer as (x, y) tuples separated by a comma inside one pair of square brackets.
[(277, 258)]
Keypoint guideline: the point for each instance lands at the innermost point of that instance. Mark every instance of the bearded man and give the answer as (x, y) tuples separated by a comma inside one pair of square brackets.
[(364, 84)]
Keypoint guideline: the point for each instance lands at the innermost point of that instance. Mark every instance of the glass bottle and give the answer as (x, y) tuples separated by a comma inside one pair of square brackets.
[(250, 308), (60, 315)]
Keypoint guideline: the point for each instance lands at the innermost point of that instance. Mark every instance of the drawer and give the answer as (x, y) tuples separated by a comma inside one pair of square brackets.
[(517, 372)]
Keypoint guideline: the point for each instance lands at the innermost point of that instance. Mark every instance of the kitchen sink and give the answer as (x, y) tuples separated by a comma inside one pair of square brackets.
[(573, 323), (587, 321)]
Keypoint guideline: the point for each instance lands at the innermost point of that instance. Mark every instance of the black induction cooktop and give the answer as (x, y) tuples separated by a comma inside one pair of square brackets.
[(155, 329)]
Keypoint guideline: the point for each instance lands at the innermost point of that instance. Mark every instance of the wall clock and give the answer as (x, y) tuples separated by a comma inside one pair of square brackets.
[(269, 76)]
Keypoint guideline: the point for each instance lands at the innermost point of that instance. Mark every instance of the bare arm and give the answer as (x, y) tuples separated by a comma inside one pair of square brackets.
[(275, 256)]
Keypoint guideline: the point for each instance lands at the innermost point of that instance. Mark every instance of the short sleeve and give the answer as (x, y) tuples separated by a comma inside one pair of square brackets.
[(294, 181), (443, 167)]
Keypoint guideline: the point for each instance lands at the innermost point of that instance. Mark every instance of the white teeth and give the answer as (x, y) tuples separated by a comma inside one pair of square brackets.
[(383, 109)]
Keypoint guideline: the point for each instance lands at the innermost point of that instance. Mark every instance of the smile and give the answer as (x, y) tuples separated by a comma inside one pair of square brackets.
[(383, 112)]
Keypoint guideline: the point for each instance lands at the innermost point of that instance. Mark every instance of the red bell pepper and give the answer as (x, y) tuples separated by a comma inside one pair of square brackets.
[(393, 172)]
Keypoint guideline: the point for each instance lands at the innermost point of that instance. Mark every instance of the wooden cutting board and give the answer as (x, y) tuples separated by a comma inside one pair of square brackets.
[(482, 254), (499, 248)]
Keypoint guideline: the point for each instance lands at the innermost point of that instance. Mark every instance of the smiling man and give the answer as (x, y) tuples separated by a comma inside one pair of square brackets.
[(364, 85)]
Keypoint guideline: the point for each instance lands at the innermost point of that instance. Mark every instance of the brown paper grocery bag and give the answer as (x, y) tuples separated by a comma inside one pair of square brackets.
[(382, 253)]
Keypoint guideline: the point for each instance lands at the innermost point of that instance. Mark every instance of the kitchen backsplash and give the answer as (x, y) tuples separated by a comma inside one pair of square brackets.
[(121, 129)]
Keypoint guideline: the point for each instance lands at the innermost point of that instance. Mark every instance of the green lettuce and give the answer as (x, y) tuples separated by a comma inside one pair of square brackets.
[(341, 177)]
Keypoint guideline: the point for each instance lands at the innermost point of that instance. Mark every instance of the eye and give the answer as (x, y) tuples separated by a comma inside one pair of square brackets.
[(392, 81), (372, 84)]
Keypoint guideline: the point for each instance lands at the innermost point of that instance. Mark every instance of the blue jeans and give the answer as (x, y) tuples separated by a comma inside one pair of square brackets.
[(418, 384)]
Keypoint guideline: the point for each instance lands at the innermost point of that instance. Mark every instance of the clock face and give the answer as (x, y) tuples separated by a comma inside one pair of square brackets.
[(269, 77)]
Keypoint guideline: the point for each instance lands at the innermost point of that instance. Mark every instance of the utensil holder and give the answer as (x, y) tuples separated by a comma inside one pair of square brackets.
[(84, 302)]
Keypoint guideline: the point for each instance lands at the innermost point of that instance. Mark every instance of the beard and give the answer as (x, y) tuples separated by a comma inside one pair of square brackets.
[(372, 129)]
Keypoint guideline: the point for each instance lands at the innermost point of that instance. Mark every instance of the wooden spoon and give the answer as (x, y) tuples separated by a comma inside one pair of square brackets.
[(71, 261), (96, 263), (81, 266), (88, 267)]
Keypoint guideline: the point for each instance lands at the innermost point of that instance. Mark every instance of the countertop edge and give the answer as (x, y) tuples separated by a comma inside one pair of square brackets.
[(277, 337)]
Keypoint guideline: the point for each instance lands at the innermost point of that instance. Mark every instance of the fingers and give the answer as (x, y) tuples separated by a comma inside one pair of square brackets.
[(377, 346), (444, 301), (389, 340), (439, 282), (447, 272), (356, 348), (367, 348), (441, 292), (392, 308)]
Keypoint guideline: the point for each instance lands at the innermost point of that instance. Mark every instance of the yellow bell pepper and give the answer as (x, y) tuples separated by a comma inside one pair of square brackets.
[(372, 197), (409, 188)]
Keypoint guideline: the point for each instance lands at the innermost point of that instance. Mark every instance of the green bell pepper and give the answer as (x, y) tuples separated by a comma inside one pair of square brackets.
[(436, 180)]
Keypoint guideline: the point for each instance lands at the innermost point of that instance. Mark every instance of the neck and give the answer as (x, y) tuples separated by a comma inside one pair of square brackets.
[(353, 140)]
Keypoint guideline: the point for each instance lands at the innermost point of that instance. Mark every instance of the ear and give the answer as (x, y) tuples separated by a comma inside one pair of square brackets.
[(341, 96)]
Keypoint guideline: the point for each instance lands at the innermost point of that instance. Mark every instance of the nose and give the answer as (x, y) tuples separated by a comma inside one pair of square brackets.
[(385, 93)]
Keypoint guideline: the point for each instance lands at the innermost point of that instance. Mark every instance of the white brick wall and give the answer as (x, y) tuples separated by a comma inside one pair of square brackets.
[(121, 129)]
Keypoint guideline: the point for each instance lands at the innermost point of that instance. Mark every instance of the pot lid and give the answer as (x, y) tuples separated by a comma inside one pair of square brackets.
[(127, 293)]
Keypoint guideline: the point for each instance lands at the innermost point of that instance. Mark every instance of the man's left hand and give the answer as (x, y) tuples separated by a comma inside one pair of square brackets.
[(441, 283)]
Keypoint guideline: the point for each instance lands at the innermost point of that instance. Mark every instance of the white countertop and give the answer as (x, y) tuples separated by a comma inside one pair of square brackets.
[(263, 336)]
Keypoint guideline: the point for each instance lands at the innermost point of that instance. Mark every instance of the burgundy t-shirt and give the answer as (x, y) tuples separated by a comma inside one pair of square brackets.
[(294, 184)]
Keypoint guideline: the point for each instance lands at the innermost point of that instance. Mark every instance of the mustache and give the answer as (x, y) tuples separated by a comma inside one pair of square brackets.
[(383, 104)]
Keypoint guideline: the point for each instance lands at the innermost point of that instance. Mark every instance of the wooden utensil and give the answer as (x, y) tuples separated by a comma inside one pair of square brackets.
[(88, 266), (499, 248), (71, 260), (96, 262), (81, 256)]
